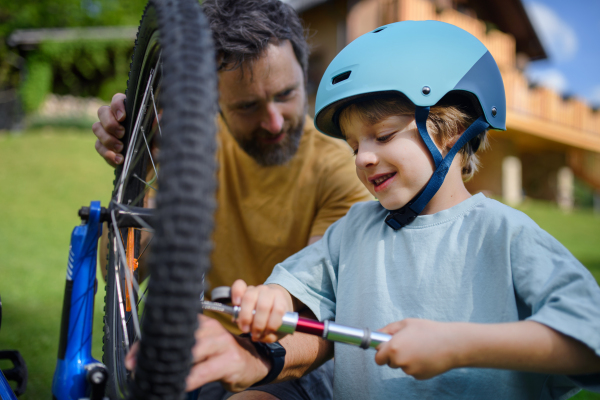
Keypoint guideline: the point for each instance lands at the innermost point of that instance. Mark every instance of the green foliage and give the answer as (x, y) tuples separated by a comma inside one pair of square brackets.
[(82, 68), (583, 194), (27, 14), (32, 14), (37, 85)]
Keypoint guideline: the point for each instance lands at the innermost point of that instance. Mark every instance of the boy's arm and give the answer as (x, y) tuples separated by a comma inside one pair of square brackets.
[(527, 346), (425, 349)]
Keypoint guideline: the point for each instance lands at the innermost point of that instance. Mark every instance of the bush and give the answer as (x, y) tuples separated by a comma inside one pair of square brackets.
[(84, 68)]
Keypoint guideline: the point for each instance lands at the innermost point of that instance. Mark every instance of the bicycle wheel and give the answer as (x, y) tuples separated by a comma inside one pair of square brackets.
[(170, 133)]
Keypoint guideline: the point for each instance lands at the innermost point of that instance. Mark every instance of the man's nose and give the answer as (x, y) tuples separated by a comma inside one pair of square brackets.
[(366, 158), (272, 120)]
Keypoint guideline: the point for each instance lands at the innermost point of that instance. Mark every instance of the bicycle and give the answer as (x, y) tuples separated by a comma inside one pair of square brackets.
[(170, 131)]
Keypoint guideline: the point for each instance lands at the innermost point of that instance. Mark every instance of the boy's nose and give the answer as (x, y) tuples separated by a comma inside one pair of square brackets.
[(272, 120), (366, 159)]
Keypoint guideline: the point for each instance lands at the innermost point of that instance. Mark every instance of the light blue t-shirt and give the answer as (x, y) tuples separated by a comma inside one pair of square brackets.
[(479, 261)]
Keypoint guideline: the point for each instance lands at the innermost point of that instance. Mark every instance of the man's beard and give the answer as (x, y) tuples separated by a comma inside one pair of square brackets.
[(269, 154)]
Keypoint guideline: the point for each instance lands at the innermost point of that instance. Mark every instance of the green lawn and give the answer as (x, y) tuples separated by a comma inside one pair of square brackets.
[(46, 175)]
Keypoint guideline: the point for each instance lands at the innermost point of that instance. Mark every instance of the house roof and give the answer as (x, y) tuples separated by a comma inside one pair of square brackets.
[(510, 17)]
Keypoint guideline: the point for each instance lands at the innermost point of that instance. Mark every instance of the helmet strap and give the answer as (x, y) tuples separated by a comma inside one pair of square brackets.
[(421, 115), (405, 215)]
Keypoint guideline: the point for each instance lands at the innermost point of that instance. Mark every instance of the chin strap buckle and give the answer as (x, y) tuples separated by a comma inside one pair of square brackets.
[(398, 219)]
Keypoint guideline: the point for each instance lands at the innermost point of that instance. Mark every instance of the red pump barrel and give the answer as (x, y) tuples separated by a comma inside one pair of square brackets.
[(310, 326)]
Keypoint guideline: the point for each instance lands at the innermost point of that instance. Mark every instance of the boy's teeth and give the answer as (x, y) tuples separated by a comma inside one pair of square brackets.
[(383, 178)]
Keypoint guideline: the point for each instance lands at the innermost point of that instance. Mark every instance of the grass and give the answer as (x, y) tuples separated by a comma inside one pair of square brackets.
[(47, 174)]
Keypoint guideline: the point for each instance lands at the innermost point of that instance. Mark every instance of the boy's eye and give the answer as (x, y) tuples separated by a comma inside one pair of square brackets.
[(385, 138)]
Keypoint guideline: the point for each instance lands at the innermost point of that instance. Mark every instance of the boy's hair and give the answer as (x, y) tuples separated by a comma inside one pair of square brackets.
[(451, 115), (242, 30)]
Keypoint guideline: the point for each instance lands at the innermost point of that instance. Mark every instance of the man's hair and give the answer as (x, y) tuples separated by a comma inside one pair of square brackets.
[(242, 30), (452, 115)]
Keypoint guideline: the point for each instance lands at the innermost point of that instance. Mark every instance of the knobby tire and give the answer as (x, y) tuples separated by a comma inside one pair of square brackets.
[(173, 35)]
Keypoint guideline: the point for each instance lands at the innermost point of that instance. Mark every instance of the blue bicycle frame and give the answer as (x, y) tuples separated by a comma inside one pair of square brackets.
[(76, 368), (6, 392)]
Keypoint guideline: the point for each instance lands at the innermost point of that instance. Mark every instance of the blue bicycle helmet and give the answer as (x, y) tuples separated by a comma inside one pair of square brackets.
[(425, 61)]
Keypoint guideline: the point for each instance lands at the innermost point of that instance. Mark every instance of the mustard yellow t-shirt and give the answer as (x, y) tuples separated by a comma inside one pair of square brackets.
[(266, 214)]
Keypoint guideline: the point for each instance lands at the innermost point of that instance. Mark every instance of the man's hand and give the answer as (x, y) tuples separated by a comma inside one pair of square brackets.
[(219, 356), (109, 130), (421, 348)]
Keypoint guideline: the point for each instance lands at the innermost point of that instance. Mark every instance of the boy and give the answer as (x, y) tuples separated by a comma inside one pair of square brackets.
[(458, 280)]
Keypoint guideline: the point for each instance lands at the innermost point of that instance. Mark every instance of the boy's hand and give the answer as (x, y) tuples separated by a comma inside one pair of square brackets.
[(262, 309), (420, 347)]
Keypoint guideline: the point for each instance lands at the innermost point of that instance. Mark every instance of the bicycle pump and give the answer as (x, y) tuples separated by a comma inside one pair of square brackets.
[(292, 322), (78, 375)]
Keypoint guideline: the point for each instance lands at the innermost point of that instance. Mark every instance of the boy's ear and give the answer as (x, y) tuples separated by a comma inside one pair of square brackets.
[(452, 141)]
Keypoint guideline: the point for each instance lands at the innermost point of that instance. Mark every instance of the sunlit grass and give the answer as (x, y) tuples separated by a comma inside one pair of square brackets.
[(45, 177)]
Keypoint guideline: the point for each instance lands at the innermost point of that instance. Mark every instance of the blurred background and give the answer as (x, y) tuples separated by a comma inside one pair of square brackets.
[(61, 59)]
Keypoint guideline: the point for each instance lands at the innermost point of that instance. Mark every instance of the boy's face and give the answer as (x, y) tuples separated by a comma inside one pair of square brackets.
[(391, 159)]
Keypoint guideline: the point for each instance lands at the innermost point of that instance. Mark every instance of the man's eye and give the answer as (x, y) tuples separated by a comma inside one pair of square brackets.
[(246, 106), (284, 95), (355, 151)]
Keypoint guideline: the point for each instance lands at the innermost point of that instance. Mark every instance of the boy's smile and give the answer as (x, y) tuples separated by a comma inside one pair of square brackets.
[(381, 181), (391, 159)]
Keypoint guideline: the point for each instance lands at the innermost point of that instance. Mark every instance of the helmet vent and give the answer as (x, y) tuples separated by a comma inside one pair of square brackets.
[(341, 77), (379, 29)]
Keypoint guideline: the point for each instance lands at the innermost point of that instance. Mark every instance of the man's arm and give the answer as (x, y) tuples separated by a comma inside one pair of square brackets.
[(425, 348)]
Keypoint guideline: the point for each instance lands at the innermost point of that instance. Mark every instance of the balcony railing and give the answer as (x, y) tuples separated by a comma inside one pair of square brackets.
[(581, 122)]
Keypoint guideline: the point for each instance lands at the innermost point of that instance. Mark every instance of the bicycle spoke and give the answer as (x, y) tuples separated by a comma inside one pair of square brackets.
[(144, 182), (120, 297), (129, 154), (149, 152), (130, 281), (139, 301), (145, 247), (156, 112)]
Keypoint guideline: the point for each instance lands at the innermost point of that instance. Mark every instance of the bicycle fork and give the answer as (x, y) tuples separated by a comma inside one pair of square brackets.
[(78, 375)]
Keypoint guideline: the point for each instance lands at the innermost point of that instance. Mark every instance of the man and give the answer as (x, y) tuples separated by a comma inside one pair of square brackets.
[(281, 183)]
